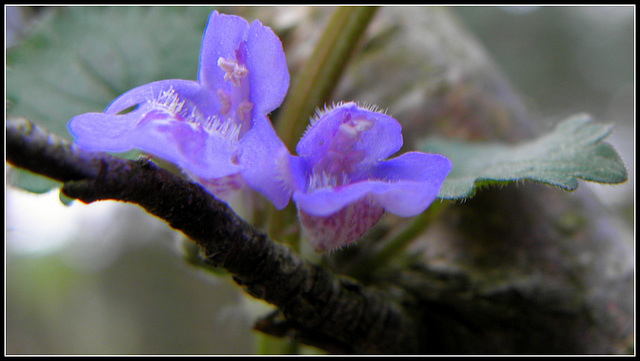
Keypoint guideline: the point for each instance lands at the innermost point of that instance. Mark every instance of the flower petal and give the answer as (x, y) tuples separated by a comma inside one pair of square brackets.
[(102, 132), (222, 35), (224, 188), (326, 201), (171, 121), (415, 179), (206, 101), (340, 228), (404, 186), (268, 73), (264, 161), (381, 139)]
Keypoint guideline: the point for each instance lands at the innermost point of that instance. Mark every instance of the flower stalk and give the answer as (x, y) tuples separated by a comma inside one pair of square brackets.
[(398, 242)]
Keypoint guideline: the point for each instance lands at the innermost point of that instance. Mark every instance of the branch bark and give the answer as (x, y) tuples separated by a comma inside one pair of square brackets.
[(328, 311)]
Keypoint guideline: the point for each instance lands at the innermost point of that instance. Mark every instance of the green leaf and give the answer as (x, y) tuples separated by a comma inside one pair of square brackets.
[(572, 150), (78, 59)]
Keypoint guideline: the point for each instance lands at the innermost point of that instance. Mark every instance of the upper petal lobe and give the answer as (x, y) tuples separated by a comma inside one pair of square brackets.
[(221, 38)]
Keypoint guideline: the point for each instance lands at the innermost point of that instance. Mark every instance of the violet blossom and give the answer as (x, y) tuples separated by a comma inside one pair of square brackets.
[(341, 183), (215, 129)]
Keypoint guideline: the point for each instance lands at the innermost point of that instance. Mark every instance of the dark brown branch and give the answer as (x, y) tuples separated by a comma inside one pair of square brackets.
[(326, 310), (33, 149)]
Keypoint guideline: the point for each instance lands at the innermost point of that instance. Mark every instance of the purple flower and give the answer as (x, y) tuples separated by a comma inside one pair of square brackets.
[(341, 184), (216, 129)]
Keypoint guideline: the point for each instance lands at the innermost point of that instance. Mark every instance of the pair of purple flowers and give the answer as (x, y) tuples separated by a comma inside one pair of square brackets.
[(217, 130)]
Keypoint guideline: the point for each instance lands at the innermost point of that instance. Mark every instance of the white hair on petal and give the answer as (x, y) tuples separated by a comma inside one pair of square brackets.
[(373, 108), (324, 180), (319, 113), (224, 127), (326, 108), (169, 102)]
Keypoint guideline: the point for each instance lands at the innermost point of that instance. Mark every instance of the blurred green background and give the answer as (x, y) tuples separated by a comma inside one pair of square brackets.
[(107, 278)]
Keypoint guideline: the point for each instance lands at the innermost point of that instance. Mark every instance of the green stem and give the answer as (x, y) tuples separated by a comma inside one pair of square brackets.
[(399, 241), (321, 73)]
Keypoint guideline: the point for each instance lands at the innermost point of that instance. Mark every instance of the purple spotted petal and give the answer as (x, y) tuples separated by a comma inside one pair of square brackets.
[(341, 228)]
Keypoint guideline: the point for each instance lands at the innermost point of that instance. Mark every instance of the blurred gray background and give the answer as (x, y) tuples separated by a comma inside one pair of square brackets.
[(107, 278)]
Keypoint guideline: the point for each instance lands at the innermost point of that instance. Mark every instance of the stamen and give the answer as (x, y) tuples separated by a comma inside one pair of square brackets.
[(240, 71), (225, 101), (226, 66), (348, 131), (233, 71), (235, 104), (242, 111), (341, 154), (361, 125)]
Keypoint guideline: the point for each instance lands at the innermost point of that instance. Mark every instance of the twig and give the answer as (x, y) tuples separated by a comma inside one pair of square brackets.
[(324, 309)]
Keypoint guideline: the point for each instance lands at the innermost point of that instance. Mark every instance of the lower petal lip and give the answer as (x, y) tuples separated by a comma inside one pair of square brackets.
[(405, 198), (326, 201)]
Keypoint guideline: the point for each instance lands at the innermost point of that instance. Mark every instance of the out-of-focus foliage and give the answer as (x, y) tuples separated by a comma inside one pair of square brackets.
[(563, 60), (78, 59), (431, 75), (147, 301)]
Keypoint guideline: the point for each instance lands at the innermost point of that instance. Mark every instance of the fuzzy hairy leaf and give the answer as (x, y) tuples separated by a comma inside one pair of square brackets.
[(572, 150)]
